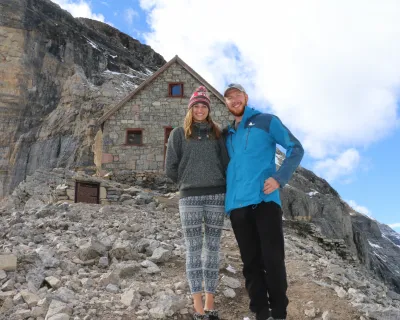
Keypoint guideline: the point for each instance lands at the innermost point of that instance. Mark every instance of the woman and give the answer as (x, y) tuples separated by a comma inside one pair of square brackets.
[(197, 160)]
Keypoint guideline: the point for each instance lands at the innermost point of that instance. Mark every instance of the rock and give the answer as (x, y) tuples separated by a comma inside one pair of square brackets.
[(340, 292), (143, 198), (112, 288), (7, 305), (130, 298), (326, 315), (8, 262), (8, 285), (30, 298), (35, 278), (59, 316), (160, 255), (181, 285), (127, 269), (145, 290), (166, 306), (230, 282), (103, 262), (125, 197), (110, 277), (91, 250), (132, 191), (44, 303), (310, 313), (65, 295), (150, 266), (3, 275), (87, 282), (121, 250), (46, 254), (355, 295), (153, 245), (17, 299), (229, 293), (37, 312), (142, 245), (53, 282), (22, 314), (57, 307), (393, 295), (184, 311)]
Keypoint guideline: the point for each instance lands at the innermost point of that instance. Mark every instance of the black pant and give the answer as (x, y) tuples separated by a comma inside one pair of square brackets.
[(259, 233)]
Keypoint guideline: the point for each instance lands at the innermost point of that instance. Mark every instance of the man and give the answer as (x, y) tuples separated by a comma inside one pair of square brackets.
[(253, 201)]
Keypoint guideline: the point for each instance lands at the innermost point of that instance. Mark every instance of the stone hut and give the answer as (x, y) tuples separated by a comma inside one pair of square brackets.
[(134, 132)]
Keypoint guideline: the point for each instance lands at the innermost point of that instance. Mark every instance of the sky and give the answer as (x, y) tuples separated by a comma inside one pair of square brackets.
[(330, 70)]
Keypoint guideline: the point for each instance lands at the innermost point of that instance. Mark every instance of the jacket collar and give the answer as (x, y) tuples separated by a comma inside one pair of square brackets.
[(248, 113)]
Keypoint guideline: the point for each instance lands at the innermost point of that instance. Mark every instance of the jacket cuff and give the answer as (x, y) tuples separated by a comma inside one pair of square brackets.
[(280, 181)]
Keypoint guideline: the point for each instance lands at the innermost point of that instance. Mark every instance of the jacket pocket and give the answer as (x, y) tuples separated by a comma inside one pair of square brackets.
[(246, 192)]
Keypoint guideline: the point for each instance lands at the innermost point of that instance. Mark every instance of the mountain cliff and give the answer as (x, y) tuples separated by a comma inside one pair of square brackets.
[(59, 73), (311, 199)]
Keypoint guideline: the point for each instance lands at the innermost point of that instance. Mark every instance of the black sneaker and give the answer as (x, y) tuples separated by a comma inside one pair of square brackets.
[(198, 316), (212, 314), (264, 314)]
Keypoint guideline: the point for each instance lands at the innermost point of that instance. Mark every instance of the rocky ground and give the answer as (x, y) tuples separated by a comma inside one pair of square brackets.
[(83, 261)]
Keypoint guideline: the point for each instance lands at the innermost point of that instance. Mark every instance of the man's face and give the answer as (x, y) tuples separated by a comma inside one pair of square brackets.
[(236, 100)]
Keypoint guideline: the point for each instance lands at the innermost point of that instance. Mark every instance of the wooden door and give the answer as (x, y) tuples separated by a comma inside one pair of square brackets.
[(87, 192)]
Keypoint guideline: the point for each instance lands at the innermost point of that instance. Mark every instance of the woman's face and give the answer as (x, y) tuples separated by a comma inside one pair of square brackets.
[(200, 112)]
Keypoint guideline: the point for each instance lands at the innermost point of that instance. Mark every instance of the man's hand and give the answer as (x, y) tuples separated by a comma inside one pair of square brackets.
[(270, 185)]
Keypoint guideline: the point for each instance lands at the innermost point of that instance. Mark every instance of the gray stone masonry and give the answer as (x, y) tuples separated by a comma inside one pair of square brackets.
[(152, 111)]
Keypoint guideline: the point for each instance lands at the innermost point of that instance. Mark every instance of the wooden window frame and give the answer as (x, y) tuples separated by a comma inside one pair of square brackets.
[(170, 85), (134, 130)]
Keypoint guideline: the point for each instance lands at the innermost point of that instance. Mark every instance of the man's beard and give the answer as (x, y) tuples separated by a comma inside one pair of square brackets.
[(236, 112)]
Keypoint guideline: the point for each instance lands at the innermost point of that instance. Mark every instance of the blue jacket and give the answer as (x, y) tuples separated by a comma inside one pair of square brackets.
[(252, 149)]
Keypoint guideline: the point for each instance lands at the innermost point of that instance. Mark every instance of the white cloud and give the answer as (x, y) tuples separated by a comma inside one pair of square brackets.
[(334, 168), (130, 15), (395, 225), (358, 208), (329, 70), (79, 8)]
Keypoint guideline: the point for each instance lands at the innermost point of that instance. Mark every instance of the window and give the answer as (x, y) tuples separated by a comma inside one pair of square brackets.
[(134, 137), (175, 90)]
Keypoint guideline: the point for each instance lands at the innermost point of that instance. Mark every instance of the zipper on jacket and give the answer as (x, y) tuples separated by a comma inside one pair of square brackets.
[(247, 138), (233, 149)]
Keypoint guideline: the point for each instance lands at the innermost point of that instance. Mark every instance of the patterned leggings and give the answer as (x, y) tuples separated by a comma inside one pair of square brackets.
[(192, 211)]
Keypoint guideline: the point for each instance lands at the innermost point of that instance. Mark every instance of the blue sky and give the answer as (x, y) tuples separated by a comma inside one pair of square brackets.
[(334, 84)]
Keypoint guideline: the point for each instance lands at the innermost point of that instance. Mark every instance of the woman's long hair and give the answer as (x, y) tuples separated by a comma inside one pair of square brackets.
[(188, 125)]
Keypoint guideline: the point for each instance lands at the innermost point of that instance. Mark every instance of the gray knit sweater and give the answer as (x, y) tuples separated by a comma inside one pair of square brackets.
[(197, 165)]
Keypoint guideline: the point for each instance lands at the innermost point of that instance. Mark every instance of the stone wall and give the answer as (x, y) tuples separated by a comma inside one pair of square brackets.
[(66, 192), (151, 110), (57, 186)]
